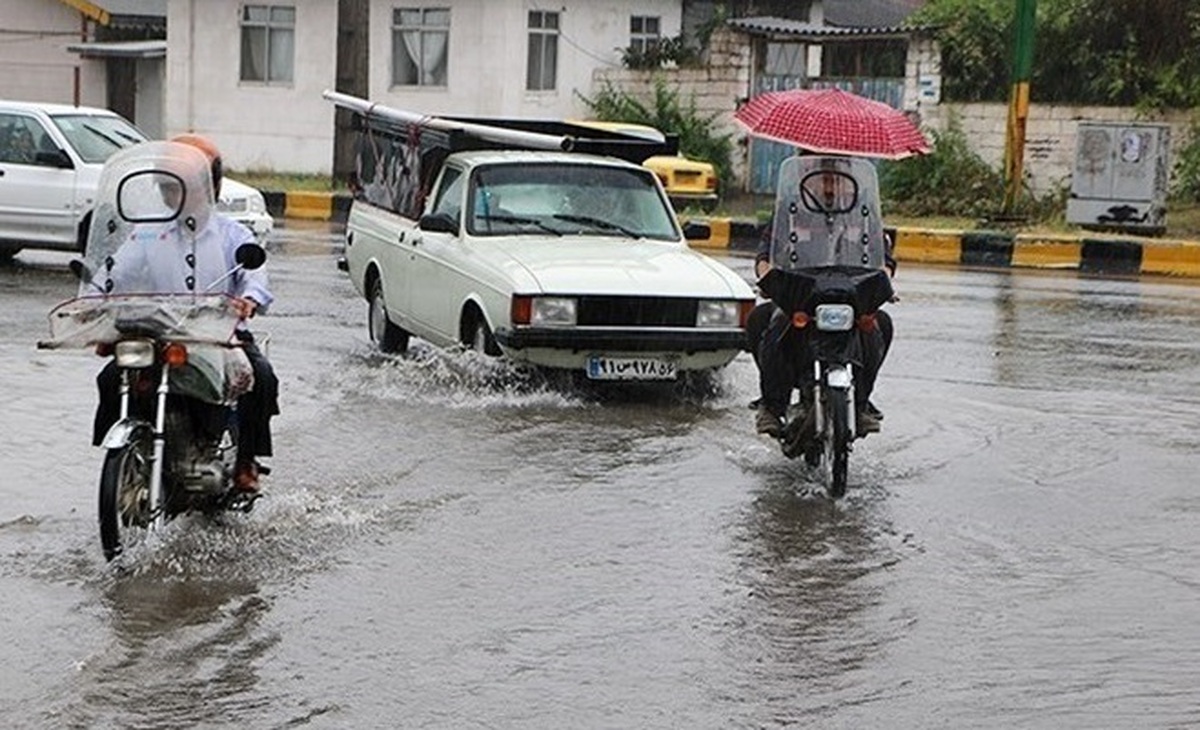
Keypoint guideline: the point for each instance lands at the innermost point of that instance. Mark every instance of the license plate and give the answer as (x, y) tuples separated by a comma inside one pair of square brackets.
[(600, 367)]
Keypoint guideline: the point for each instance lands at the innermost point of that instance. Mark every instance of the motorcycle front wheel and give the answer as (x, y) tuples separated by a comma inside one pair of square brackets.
[(837, 439), (125, 493)]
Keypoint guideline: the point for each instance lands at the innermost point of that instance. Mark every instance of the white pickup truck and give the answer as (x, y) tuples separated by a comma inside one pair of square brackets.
[(535, 251)]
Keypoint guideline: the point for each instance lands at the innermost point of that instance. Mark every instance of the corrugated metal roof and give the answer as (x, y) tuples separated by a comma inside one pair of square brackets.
[(120, 49), (145, 8), (803, 29)]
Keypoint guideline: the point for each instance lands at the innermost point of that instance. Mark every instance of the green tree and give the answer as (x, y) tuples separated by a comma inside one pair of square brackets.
[(1118, 52)]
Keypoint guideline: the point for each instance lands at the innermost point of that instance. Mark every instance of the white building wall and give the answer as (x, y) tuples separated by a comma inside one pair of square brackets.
[(290, 129), (488, 46), (35, 64), (285, 128)]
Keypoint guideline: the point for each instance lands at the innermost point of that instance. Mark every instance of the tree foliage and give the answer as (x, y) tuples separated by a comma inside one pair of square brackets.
[(1110, 52)]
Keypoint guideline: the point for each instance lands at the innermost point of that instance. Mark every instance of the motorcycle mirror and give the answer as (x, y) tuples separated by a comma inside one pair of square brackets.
[(250, 255)]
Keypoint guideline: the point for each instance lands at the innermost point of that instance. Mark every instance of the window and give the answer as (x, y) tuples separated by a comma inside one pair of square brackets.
[(543, 51), (420, 40), (21, 138), (786, 59), (643, 33), (450, 193), (268, 43)]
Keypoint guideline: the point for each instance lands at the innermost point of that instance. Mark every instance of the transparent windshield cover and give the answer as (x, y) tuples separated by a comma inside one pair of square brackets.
[(827, 214), (92, 320), (569, 199), (153, 200)]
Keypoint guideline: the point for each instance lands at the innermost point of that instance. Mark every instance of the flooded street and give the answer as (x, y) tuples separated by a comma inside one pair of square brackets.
[(449, 543)]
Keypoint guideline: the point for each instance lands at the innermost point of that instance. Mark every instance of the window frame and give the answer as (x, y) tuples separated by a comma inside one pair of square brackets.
[(423, 29), (641, 40), (269, 27), (545, 36)]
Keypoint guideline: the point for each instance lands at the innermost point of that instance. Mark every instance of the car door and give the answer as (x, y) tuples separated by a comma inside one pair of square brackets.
[(433, 284), (37, 197)]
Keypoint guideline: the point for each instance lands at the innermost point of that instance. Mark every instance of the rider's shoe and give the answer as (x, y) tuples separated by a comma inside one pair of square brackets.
[(868, 422), (245, 478), (872, 409), (768, 423)]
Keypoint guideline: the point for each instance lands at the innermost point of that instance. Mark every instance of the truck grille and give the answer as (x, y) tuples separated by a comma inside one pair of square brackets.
[(598, 311)]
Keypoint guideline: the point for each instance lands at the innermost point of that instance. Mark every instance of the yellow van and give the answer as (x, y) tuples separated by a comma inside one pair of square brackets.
[(687, 182)]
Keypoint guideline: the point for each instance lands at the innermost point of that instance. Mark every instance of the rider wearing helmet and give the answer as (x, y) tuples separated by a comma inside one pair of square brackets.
[(218, 237)]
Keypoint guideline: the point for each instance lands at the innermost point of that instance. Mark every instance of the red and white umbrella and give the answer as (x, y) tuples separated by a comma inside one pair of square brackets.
[(832, 121)]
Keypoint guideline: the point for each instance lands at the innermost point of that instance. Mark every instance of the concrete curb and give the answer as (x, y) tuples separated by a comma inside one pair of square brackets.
[(994, 249), (308, 205)]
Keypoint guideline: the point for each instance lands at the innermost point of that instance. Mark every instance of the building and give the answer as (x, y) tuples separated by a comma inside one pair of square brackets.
[(108, 53)]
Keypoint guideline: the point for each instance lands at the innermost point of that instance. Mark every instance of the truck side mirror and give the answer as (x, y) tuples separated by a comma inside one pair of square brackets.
[(54, 158), (438, 223), (694, 231)]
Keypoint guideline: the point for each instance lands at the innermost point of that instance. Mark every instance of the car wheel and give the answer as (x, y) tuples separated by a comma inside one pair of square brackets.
[(384, 332), (482, 340)]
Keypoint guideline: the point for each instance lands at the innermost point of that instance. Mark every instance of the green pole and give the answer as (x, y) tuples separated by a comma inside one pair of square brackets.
[(1018, 102)]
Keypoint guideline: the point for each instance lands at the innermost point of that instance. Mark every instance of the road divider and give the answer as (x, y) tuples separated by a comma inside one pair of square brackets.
[(1087, 253)]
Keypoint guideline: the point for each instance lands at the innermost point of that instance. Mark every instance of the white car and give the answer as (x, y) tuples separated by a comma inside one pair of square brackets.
[(50, 161), (247, 206), (557, 259)]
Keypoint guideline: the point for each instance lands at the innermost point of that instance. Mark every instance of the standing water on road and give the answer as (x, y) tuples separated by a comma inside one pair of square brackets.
[(450, 542)]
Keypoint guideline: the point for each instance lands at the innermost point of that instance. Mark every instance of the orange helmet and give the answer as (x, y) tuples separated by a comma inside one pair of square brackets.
[(205, 145)]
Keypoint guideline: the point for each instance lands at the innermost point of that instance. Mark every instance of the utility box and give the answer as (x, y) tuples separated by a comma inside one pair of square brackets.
[(1120, 177)]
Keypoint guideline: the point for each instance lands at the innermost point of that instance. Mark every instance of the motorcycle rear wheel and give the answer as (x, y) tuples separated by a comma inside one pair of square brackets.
[(124, 493), (838, 438)]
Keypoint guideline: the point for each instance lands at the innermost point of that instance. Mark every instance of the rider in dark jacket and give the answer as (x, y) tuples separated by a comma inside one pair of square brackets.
[(781, 358)]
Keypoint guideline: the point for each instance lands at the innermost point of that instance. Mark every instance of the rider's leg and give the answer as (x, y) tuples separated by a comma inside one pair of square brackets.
[(108, 408), (756, 325), (875, 346), (780, 353), (255, 409)]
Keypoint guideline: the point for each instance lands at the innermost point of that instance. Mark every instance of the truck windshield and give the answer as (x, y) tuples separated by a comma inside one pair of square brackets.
[(568, 199), (96, 137)]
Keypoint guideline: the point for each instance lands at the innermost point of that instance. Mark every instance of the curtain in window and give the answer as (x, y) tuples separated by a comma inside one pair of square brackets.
[(254, 54), (282, 48), (433, 59)]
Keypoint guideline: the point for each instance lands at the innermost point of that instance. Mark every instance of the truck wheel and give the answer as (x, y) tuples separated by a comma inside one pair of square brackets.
[(482, 340), (384, 333)]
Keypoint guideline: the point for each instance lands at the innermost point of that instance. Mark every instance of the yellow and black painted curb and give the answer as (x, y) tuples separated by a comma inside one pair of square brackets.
[(308, 205), (1002, 249)]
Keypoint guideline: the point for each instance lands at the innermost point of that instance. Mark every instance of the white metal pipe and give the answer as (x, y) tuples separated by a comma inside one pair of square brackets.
[(527, 140)]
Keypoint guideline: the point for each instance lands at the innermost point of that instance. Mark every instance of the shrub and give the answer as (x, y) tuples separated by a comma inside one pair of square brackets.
[(1187, 168)]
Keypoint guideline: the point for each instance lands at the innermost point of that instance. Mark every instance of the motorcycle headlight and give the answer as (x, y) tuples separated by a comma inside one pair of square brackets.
[(717, 313), (552, 312), (134, 353), (835, 317)]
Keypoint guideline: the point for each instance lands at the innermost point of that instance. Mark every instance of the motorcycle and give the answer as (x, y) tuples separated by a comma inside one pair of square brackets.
[(828, 250), (181, 369)]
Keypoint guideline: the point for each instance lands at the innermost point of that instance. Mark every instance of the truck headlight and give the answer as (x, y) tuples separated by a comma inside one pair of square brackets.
[(552, 312), (835, 317), (717, 313)]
